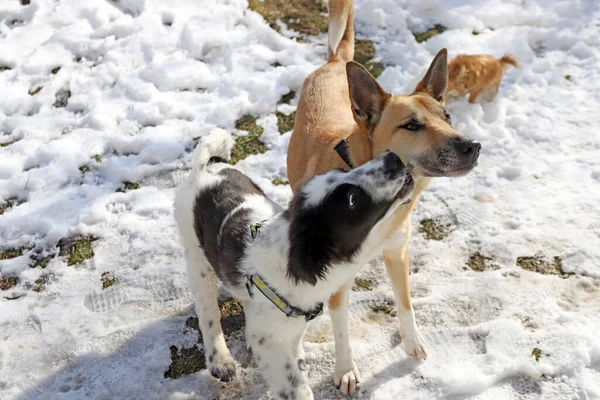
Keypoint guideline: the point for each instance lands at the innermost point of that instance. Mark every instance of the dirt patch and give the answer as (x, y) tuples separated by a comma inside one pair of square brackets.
[(39, 285), (250, 143), (287, 98), (108, 279), (303, 16), (77, 249), (364, 51), (34, 91), (185, 361), (385, 307), (434, 229), (279, 182), (83, 169), (538, 263), (362, 284), (429, 33), (232, 316), (8, 282), (127, 186), (285, 123), (62, 98), (478, 262)]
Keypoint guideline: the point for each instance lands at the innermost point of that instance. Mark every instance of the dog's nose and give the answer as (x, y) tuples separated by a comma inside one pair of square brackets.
[(392, 165), (468, 148)]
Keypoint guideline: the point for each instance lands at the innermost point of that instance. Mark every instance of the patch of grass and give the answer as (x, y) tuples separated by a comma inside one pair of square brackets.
[(568, 77), (249, 144), (77, 249), (11, 253), (39, 285), (385, 307), (84, 169), (8, 282), (303, 16), (55, 70), (33, 92), (362, 284), (41, 262), (364, 51), (279, 182), (287, 98), (5, 206), (232, 315), (14, 296), (108, 279), (6, 144), (285, 123), (429, 33), (127, 186), (97, 158), (538, 263), (478, 262), (537, 353), (185, 361), (62, 98), (475, 33), (434, 230)]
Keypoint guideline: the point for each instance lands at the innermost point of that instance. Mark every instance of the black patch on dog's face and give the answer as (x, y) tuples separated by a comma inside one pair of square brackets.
[(329, 232)]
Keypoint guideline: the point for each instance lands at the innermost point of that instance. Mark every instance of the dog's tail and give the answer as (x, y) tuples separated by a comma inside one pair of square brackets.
[(509, 59), (214, 145), (341, 30)]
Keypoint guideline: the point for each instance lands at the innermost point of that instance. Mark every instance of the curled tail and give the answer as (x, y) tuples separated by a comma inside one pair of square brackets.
[(509, 59), (341, 30), (216, 144)]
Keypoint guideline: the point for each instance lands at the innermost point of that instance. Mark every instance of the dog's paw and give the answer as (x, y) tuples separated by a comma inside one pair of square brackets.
[(414, 345), (222, 367), (346, 378)]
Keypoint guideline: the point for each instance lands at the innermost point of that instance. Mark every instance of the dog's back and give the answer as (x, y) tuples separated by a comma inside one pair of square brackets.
[(223, 204)]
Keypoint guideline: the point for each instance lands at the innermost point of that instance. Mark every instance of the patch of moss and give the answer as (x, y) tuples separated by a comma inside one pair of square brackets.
[(537, 353), (8, 282), (5, 206), (232, 315), (55, 70), (364, 51), (429, 33), (250, 143), (33, 92), (108, 279), (385, 307), (185, 361), (77, 249), (478, 262), (303, 16), (11, 253), (62, 98), (434, 230), (362, 284), (84, 169), (568, 77), (41, 262), (39, 285), (127, 186), (538, 263), (279, 182), (287, 98), (230, 307), (285, 123), (97, 158)]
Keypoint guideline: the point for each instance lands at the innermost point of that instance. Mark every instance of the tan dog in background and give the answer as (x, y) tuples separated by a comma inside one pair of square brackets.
[(476, 74), (340, 100)]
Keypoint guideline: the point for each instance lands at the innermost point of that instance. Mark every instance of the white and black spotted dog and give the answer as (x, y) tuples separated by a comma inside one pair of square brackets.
[(282, 264)]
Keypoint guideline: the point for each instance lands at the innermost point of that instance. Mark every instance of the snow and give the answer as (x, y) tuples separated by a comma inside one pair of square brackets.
[(146, 77)]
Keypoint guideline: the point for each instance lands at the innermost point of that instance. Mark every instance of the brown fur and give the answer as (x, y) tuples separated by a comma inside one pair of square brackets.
[(476, 74), (342, 100)]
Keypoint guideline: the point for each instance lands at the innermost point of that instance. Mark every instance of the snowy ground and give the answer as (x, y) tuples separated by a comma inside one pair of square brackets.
[(146, 77)]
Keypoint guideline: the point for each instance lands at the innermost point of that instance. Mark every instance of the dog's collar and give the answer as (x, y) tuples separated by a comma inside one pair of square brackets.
[(289, 310), (344, 152)]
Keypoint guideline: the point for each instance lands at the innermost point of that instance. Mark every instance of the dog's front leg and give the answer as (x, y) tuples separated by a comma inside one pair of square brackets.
[(345, 375), (275, 357), (396, 262)]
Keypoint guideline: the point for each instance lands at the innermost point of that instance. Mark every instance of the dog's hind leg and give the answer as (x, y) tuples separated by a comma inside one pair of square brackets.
[(396, 262), (473, 96), (345, 375), (203, 284)]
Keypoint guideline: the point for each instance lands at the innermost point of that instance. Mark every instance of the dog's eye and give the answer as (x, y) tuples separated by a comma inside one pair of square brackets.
[(448, 117), (351, 200), (412, 126)]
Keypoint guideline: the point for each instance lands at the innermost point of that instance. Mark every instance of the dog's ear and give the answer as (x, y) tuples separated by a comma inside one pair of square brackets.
[(308, 257), (367, 97), (435, 81)]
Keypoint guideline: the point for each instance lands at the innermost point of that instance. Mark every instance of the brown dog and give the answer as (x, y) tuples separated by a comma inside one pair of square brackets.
[(342, 100), (476, 74)]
